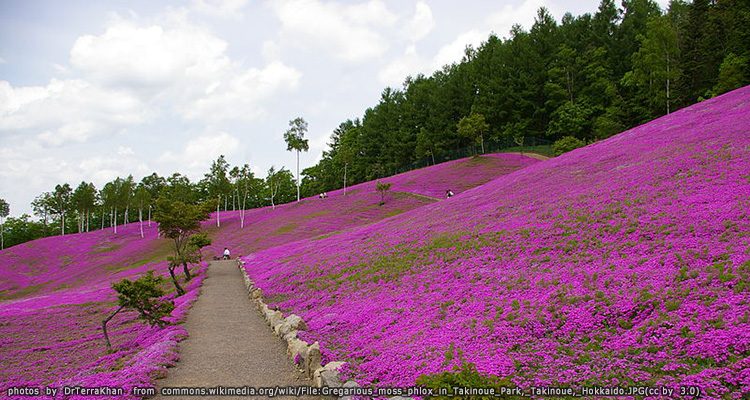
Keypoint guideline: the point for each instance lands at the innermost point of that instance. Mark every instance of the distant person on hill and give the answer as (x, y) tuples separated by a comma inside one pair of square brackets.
[(448, 194), (226, 253)]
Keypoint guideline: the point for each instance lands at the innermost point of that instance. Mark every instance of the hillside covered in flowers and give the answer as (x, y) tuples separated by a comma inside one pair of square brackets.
[(626, 262), (55, 291)]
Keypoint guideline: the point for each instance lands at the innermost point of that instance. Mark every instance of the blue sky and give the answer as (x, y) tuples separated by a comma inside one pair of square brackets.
[(93, 90)]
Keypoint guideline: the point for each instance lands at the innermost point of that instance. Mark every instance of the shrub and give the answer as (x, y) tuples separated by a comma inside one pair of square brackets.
[(566, 144), (382, 188), (143, 295)]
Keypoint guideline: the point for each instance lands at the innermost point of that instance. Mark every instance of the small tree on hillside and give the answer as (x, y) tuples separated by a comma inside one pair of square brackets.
[(382, 188), (195, 244), (4, 212), (295, 140), (178, 221), (143, 295), (473, 127)]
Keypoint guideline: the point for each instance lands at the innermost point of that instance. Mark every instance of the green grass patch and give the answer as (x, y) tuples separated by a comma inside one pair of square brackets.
[(286, 228)]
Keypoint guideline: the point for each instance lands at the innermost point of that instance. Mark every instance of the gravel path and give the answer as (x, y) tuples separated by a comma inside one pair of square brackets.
[(230, 344)]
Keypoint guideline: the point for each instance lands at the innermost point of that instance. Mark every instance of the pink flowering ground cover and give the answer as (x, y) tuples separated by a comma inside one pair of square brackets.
[(313, 217), (626, 262), (57, 290), (59, 262)]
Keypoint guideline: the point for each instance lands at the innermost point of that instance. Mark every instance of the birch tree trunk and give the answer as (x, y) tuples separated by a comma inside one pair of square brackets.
[(242, 211), (140, 220), (297, 175)]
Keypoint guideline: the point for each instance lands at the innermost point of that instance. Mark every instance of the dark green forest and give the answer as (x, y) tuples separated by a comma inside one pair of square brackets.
[(565, 83), (586, 77)]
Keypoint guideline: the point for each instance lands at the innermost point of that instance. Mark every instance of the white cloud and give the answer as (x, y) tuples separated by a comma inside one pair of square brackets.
[(181, 67), (421, 23), (150, 57), (347, 31), (67, 111), (220, 8), (2, 61), (198, 152), (238, 97)]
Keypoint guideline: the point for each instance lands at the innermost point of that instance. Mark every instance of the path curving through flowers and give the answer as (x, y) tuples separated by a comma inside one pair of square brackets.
[(230, 344)]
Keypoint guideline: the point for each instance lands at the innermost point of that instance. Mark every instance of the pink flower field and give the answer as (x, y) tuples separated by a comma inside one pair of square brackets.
[(626, 262), (54, 292), (313, 217)]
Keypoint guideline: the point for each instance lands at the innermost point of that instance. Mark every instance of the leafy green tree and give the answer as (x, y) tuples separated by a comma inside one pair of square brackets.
[(153, 184), (382, 188), (143, 295), (22, 229), (272, 185), (217, 185), (84, 200), (142, 200), (425, 146), (61, 203), (42, 206), (279, 186), (566, 144), (731, 74), (347, 149), (571, 119), (608, 124), (178, 221), (655, 67), (108, 196), (4, 212), (180, 188), (125, 189), (473, 127), (295, 140), (196, 243)]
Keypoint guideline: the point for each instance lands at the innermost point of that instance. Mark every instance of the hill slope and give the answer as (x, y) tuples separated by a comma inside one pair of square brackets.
[(624, 262), (55, 291)]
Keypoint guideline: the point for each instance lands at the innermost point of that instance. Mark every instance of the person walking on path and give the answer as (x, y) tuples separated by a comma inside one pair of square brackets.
[(226, 254)]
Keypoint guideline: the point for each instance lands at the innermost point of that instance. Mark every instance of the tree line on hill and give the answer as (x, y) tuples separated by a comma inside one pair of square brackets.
[(65, 209), (571, 82), (574, 81)]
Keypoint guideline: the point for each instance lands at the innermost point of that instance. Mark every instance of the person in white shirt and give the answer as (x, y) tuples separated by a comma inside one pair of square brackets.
[(226, 253)]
